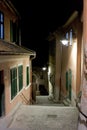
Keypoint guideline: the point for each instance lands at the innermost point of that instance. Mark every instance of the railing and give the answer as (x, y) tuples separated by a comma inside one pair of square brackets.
[(24, 98)]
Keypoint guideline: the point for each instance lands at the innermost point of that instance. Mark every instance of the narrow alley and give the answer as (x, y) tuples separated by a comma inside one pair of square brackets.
[(44, 115)]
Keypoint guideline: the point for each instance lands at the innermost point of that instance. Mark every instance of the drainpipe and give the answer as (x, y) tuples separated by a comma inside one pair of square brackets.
[(32, 56), (61, 75)]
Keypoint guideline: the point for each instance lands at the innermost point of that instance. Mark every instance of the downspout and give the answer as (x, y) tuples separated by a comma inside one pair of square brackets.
[(32, 56)]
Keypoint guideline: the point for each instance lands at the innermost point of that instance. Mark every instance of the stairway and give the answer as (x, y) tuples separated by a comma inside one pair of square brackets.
[(45, 101), (44, 115)]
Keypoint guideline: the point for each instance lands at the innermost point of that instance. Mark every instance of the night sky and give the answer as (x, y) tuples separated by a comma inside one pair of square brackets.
[(39, 19)]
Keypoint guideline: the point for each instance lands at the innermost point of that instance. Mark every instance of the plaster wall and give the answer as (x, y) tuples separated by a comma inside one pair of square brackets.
[(26, 90)]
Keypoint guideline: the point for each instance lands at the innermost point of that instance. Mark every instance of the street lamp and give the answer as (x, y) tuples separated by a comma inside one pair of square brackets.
[(44, 68)]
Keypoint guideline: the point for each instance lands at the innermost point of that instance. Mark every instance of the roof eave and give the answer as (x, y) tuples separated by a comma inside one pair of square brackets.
[(16, 53), (11, 7), (71, 18)]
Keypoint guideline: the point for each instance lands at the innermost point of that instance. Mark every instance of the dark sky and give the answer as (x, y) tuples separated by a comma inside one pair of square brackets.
[(39, 18)]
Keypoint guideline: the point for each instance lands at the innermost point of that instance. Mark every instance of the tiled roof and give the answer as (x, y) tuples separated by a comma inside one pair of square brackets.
[(14, 49)]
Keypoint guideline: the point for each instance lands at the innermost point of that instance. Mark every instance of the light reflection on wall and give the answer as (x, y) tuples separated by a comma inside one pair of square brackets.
[(74, 53)]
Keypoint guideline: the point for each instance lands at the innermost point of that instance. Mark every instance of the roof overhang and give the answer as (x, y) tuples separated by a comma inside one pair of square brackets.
[(71, 19), (8, 48), (11, 7)]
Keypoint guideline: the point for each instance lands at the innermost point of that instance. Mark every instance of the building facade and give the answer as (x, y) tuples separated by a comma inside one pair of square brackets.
[(68, 59), (15, 61)]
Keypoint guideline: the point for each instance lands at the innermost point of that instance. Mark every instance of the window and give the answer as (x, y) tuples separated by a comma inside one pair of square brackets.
[(27, 75), (70, 37), (67, 36), (14, 35), (13, 73), (1, 25), (11, 31), (20, 77), (16, 80)]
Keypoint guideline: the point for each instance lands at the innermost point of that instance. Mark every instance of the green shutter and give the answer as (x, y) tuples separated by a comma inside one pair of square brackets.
[(70, 83), (66, 80), (11, 31), (27, 76), (13, 74), (20, 77), (14, 32)]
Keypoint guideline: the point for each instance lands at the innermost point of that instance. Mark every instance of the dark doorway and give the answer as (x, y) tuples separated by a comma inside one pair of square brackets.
[(43, 90), (2, 94)]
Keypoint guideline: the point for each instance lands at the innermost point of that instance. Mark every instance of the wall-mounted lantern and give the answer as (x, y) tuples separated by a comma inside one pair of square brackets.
[(64, 42), (68, 38)]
